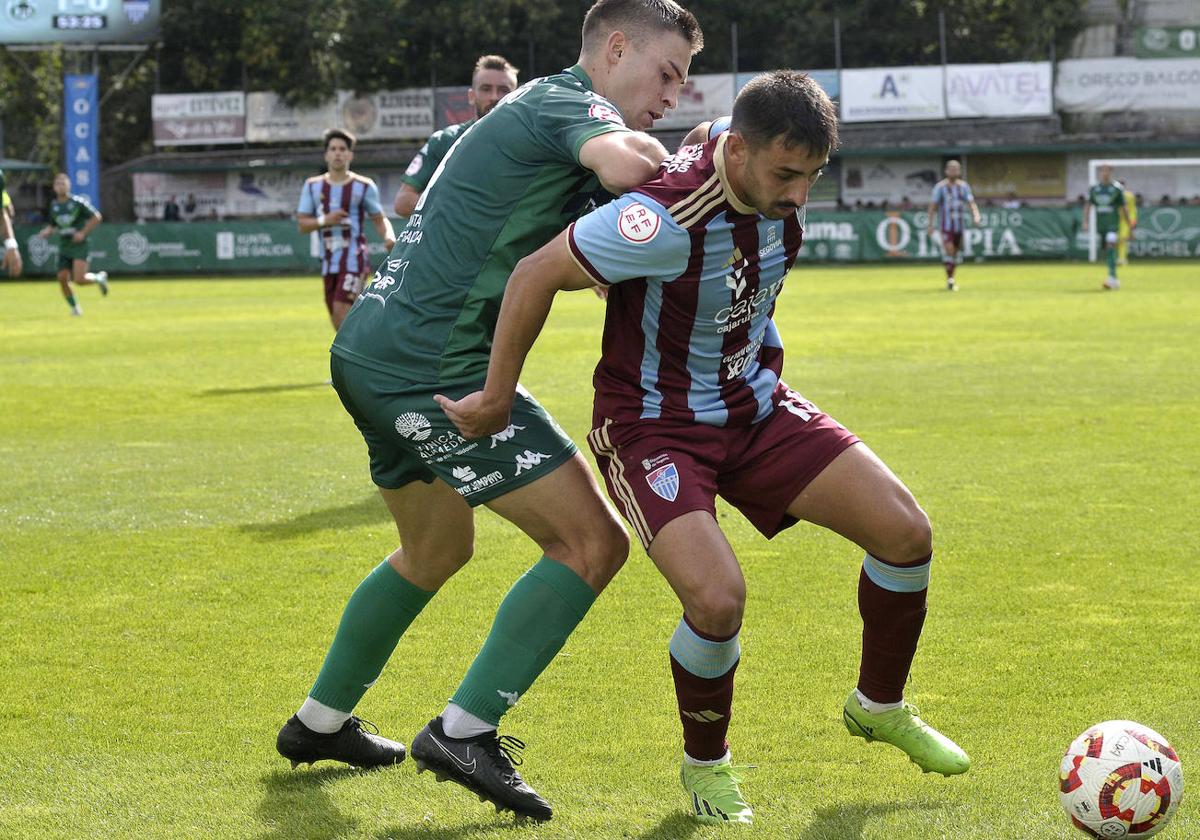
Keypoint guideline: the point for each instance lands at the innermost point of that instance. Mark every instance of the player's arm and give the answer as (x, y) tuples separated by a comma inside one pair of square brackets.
[(383, 226), (622, 160), (975, 213), (308, 223), (1124, 208), (90, 225), (527, 300), (699, 134), (406, 200)]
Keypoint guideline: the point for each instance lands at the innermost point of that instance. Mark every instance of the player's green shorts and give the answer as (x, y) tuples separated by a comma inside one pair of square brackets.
[(68, 253), (409, 438)]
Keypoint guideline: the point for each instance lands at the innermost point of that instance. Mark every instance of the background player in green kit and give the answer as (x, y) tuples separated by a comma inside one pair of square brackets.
[(12, 255), (421, 332), (1109, 200), (493, 79), (73, 217)]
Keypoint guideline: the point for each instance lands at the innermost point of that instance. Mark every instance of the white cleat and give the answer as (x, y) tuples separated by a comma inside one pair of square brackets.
[(102, 282)]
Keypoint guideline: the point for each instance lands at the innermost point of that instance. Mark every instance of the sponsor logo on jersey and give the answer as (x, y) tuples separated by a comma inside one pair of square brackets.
[(664, 481), (736, 280), (737, 363), (506, 435), (474, 484), (603, 112), (463, 473), (413, 426), (729, 318), (682, 160), (638, 223), (528, 460)]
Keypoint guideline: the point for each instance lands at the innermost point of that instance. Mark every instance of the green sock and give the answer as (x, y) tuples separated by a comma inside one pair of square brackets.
[(1112, 262), (71, 301), (375, 618), (531, 626)]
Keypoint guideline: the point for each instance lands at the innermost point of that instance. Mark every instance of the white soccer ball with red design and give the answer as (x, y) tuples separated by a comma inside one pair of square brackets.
[(1120, 779)]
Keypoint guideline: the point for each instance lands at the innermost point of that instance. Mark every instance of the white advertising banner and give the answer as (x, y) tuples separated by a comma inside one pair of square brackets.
[(884, 94), (189, 119), (706, 96), (892, 179), (269, 119), (1021, 89), (1127, 84), (388, 115)]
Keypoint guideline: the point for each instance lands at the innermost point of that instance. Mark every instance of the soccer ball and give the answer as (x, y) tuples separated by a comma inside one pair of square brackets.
[(1120, 779)]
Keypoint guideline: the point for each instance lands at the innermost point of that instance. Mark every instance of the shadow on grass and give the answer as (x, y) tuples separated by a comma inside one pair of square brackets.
[(296, 805), (848, 822), (369, 511), (262, 389), (674, 826), (429, 831)]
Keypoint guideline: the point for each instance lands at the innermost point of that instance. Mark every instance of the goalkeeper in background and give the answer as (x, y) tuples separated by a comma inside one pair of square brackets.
[(1125, 228)]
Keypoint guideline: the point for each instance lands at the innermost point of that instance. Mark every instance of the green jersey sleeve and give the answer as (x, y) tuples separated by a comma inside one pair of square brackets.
[(422, 167), (568, 118)]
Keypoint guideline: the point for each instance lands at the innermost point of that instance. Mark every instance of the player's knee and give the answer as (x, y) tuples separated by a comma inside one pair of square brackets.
[(913, 539), (717, 609), (595, 552)]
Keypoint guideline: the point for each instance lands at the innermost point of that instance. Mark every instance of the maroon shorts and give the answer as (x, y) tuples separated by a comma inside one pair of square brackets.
[(343, 287), (658, 470), (953, 237)]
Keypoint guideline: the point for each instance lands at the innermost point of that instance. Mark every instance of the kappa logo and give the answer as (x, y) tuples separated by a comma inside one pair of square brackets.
[(510, 697), (463, 473), (528, 461), (664, 481), (413, 426), (638, 224), (506, 435)]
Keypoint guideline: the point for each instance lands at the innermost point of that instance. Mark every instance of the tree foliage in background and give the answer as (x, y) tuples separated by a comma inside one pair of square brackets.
[(304, 50)]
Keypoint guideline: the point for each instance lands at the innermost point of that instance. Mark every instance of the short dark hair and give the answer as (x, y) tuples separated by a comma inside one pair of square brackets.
[(787, 104), (493, 62), (332, 134), (634, 16)]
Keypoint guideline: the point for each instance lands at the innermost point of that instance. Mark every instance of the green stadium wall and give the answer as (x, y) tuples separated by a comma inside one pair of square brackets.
[(862, 236)]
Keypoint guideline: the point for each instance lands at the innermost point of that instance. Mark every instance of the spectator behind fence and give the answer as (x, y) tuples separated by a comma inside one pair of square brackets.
[(1012, 202), (171, 210), (189, 208)]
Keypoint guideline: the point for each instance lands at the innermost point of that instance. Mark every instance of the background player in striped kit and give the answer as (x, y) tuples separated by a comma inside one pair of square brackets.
[(492, 80), (336, 203), (689, 404), (951, 198)]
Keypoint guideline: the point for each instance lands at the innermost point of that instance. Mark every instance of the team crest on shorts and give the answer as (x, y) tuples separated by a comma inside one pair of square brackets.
[(664, 481)]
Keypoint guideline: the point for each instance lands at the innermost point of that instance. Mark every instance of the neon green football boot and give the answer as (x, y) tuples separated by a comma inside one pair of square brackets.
[(716, 797), (927, 748)]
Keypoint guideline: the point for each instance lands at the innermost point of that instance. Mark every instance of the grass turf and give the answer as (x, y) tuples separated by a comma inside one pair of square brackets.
[(186, 509)]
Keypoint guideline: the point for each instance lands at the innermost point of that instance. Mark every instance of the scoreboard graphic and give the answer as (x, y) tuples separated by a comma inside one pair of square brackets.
[(78, 21)]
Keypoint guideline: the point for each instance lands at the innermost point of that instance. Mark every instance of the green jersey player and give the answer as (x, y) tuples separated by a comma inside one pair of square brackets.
[(1109, 200), (12, 255), (420, 333), (72, 218), (493, 79)]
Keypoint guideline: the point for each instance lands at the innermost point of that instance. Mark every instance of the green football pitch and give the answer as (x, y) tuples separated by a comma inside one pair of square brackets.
[(186, 508)]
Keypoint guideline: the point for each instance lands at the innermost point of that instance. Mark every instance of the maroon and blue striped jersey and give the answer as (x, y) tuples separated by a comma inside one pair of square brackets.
[(688, 333), (952, 201), (343, 246)]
